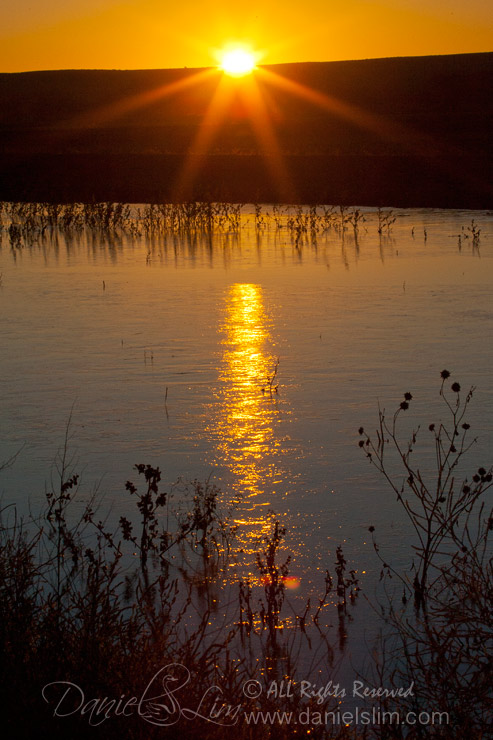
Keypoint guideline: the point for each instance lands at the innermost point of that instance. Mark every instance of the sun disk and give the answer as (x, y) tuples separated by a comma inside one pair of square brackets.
[(237, 62)]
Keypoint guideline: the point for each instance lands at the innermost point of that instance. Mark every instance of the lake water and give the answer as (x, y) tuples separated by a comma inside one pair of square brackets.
[(165, 349)]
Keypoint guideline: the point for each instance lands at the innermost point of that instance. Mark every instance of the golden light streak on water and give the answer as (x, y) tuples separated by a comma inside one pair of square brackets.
[(245, 427)]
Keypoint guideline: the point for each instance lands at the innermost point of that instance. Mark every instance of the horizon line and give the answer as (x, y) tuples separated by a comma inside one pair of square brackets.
[(269, 64)]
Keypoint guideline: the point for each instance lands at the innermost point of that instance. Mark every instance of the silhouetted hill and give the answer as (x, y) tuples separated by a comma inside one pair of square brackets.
[(425, 119)]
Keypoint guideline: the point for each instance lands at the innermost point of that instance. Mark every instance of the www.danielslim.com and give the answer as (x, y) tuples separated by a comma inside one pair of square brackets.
[(373, 717), (164, 702)]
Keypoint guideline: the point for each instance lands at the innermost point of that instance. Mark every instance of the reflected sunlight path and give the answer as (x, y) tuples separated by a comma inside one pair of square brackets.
[(247, 443)]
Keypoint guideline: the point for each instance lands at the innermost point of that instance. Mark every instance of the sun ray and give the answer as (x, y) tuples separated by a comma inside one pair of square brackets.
[(380, 125), (266, 137), (216, 113), (249, 94), (121, 107)]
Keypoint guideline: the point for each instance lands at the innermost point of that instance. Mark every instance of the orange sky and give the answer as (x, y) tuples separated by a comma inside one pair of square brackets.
[(55, 34)]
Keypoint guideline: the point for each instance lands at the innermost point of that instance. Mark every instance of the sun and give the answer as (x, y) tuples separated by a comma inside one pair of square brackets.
[(237, 62)]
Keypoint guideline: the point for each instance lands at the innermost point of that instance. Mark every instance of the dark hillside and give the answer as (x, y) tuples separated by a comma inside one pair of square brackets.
[(414, 130)]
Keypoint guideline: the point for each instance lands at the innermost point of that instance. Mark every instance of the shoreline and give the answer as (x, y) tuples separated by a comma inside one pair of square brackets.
[(386, 181)]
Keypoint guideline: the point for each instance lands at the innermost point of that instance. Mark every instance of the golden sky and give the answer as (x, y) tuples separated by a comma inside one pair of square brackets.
[(107, 34)]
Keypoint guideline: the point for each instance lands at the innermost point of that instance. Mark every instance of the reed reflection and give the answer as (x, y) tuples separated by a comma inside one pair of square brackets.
[(245, 428)]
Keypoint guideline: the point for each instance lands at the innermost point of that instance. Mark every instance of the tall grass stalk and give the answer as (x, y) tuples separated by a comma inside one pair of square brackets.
[(106, 608), (443, 638)]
